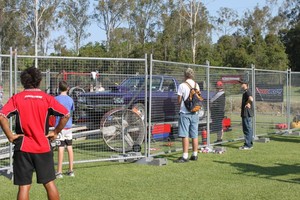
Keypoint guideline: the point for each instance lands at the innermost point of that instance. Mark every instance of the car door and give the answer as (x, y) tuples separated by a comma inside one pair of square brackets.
[(164, 99)]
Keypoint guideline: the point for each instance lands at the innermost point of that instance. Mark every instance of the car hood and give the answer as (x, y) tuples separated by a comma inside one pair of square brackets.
[(118, 88)]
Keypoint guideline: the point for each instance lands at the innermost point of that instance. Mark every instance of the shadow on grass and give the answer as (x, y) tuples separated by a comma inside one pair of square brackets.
[(286, 139), (233, 145), (101, 164), (172, 157), (270, 172)]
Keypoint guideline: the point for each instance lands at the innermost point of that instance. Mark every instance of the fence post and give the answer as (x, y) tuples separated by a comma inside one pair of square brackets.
[(147, 141), (288, 98), (254, 100), (150, 105), (16, 72), (48, 81), (10, 120), (207, 103)]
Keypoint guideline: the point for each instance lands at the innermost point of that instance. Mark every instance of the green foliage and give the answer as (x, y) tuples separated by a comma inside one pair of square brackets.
[(76, 20), (93, 50), (179, 31), (275, 52), (292, 42), (241, 51), (291, 11)]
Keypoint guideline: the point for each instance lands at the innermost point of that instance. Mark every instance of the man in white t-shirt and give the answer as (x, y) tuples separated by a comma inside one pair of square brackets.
[(188, 121)]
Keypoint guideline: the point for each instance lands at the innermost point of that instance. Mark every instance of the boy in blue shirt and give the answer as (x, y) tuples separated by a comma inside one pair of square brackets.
[(65, 136)]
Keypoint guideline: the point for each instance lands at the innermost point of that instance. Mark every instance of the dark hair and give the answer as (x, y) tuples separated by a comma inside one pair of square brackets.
[(31, 78), (63, 86)]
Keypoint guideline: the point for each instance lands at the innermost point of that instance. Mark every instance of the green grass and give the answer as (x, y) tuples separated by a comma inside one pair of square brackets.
[(269, 171)]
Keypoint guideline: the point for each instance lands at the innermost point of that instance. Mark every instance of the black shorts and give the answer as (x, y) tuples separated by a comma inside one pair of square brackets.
[(26, 163), (63, 143)]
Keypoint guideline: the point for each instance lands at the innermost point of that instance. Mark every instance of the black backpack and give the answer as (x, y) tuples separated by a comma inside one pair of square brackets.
[(194, 101)]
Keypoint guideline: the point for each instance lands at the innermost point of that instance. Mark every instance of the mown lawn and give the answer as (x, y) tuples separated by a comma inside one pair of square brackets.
[(269, 171)]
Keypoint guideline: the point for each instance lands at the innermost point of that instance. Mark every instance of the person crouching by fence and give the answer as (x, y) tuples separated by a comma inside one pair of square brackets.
[(65, 136)]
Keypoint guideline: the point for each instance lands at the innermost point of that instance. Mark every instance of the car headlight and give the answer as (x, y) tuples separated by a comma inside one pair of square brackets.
[(81, 99), (118, 100)]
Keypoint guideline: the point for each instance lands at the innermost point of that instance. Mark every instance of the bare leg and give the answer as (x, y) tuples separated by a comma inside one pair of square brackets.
[(60, 159), (185, 145), (23, 193), (52, 191), (71, 157), (195, 144)]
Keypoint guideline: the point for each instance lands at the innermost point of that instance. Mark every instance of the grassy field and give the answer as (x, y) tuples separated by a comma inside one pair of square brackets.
[(269, 171)]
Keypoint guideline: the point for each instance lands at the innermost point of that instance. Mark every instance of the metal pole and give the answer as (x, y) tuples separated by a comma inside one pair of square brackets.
[(16, 73), (36, 33), (208, 103), (123, 131), (288, 98), (48, 81), (147, 147), (10, 94), (254, 102), (150, 106)]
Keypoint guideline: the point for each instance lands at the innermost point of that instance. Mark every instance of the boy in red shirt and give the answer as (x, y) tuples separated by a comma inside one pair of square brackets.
[(32, 151)]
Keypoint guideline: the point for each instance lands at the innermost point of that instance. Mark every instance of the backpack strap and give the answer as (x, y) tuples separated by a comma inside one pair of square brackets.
[(189, 84)]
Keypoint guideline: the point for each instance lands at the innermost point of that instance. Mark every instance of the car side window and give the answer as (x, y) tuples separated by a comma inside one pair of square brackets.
[(156, 83), (169, 85)]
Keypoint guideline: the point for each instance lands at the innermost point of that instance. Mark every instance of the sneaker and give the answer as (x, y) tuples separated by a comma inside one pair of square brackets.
[(58, 175), (181, 160), (245, 148), (194, 158), (70, 173)]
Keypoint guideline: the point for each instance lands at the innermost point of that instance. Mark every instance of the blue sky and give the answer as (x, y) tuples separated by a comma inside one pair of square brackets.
[(213, 6), (239, 5)]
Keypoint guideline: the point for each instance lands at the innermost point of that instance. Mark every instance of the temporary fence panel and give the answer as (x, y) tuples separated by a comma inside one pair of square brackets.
[(122, 113), (225, 103), (294, 118), (270, 101), (5, 90), (164, 108), (109, 97)]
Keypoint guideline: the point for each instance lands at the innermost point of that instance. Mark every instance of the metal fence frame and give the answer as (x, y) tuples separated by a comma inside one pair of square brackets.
[(147, 144), (14, 88)]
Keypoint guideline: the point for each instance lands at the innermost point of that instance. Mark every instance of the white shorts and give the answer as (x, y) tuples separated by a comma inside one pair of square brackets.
[(65, 134)]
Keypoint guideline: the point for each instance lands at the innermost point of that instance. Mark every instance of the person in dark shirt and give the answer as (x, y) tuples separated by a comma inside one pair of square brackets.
[(247, 112), (217, 107), (32, 149)]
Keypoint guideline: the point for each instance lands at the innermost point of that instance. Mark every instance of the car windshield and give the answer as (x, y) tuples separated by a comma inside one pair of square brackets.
[(138, 82)]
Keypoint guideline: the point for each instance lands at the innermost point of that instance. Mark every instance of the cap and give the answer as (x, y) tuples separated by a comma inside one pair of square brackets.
[(219, 84)]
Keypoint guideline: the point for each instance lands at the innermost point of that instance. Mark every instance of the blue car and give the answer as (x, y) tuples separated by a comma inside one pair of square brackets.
[(131, 94)]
